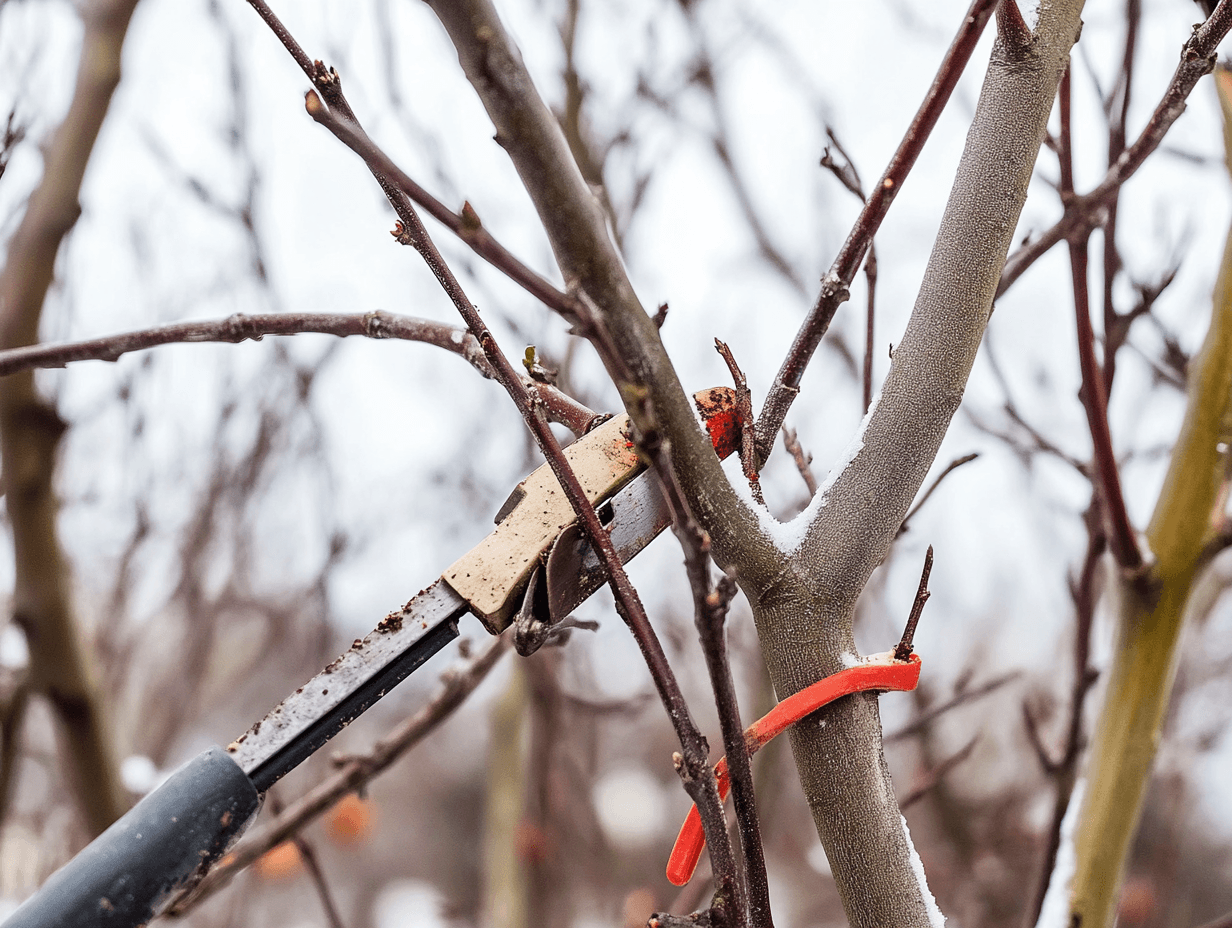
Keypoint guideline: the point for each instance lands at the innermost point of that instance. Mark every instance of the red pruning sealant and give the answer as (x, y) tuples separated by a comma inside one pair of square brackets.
[(881, 672)]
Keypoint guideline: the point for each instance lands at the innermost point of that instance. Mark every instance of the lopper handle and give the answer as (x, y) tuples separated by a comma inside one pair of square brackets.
[(133, 868)]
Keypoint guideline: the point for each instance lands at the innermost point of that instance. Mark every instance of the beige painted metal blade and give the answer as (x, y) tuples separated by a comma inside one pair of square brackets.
[(491, 575)]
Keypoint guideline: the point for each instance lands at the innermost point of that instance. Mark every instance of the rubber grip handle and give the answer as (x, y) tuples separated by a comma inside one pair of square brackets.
[(127, 873)]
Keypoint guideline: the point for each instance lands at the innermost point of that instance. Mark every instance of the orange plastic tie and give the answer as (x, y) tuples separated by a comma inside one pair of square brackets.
[(879, 672)]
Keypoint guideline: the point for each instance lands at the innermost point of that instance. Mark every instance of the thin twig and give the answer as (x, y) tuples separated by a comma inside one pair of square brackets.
[(1049, 765), (710, 612), (934, 776), (849, 177), (1084, 213), (1064, 771), (748, 427), (1121, 539), (792, 443), (952, 466), (240, 327), (340, 120), (834, 286), (902, 650), (1117, 107), (355, 773), (924, 719), (870, 315), (317, 875)]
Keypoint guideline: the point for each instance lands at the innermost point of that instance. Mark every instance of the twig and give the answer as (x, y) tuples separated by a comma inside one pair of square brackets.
[(924, 719), (1042, 754), (836, 281), (952, 466), (903, 649), (1117, 107), (710, 605), (356, 771), (934, 776), (748, 427), (340, 120), (870, 313), (240, 327), (1063, 772), (1084, 213), (792, 444), (317, 875), (1121, 539), (849, 177)]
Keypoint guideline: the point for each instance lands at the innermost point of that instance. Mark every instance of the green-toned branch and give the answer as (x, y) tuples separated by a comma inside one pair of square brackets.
[(30, 430), (1150, 613)]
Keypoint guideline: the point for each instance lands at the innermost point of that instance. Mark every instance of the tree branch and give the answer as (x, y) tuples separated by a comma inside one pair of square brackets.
[(30, 430), (339, 118), (834, 285), (1121, 539), (625, 337), (1085, 213), (240, 327), (839, 755)]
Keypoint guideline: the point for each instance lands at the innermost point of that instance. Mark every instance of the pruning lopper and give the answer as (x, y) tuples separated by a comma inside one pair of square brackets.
[(534, 568)]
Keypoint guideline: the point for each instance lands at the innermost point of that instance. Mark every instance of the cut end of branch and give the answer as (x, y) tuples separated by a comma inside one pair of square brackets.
[(904, 648), (1012, 28)]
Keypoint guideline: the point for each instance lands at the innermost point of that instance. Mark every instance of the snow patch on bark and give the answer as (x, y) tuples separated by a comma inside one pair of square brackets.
[(935, 918), (1054, 913), (788, 536)]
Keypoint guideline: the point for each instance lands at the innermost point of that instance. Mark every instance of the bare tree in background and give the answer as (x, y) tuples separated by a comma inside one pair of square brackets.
[(228, 642)]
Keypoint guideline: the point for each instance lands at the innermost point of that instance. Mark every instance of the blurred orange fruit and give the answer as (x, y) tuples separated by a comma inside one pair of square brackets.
[(350, 821), (279, 863), (1138, 901)]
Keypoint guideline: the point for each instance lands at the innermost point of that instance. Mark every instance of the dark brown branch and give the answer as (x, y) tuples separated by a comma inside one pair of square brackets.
[(710, 612), (949, 469), (834, 286), (902, 650), (339, 119), (748, 427), (240, 327), (356, 771), (61, 666), (1121, 539), (1117, 106), (1084, 213), (792, 444)]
